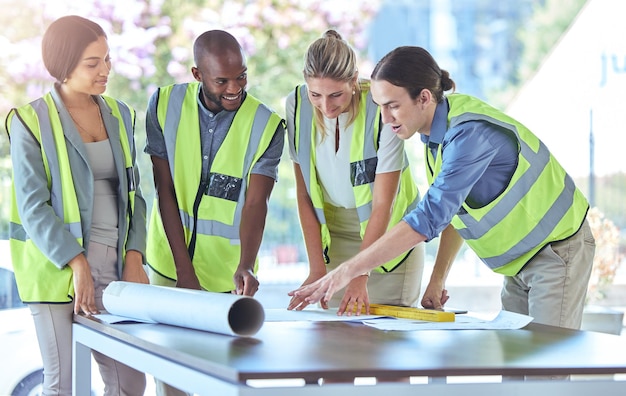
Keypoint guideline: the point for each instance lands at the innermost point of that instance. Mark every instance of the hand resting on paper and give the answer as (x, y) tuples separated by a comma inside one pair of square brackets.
[(435, 297), (324, 288), (298, 303)]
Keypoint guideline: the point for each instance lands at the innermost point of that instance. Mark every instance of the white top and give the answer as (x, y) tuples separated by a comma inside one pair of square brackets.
[(333, 169)]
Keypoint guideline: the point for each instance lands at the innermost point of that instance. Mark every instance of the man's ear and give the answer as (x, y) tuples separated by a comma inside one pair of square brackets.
[(425, 97), (196, 73)]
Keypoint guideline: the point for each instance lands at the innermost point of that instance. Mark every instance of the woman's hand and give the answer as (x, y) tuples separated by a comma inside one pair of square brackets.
[(299, 303), (133, 268), (84, 292), (323, 289)]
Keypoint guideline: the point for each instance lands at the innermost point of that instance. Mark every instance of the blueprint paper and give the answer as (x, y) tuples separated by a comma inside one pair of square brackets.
[(502, 321), (223, 313)]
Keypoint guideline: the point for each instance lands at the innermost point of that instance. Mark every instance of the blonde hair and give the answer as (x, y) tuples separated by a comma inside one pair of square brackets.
[(330, 56)]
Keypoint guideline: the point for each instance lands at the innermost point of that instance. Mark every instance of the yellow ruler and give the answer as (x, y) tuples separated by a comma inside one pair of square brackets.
[(431, 315)]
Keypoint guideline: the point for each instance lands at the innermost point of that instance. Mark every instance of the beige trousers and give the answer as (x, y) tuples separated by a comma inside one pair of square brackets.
[(553, 285), (399, 287), (53, 323)]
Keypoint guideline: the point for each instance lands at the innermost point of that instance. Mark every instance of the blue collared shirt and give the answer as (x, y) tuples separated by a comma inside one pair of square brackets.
[(478, 161)]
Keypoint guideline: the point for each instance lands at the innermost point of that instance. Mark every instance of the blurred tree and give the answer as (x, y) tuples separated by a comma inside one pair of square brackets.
[(537, 36), (132, 27), (17, 66), (551, 18)]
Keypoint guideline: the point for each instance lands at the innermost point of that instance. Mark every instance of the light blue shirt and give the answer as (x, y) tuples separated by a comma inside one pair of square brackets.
[(478, 161)]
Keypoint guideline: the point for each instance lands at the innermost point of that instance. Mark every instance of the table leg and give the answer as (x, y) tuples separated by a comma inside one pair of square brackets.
[(81, 366)]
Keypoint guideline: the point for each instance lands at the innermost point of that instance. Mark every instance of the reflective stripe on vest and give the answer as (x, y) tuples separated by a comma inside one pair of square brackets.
[(127, 116), (540, 205), (37, 118), (39, 280), (219, 215), (363, 161)]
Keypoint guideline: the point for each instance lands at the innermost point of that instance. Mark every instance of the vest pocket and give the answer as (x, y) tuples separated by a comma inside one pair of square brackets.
[(363, 172), (224, 186), (218, 204), (216, 209)]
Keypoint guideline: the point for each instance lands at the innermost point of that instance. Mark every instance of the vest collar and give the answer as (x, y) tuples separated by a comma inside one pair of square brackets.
[(205, 110)]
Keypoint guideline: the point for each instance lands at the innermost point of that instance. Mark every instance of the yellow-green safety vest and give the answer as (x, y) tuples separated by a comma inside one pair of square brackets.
[(540, 205), (363, 161), (217, 248), (37, 278)]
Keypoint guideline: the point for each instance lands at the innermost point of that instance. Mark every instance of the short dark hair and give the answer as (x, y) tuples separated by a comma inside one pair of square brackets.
[(65, 41)]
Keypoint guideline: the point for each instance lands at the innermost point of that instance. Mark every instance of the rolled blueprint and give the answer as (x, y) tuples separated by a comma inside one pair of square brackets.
[(196, 309)]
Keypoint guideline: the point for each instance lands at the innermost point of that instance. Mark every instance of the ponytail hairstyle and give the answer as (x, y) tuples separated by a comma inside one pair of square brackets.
[(414, 69), (330, 56)]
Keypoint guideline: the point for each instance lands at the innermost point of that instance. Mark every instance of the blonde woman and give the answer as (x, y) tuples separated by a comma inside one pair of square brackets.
[(352, 177)]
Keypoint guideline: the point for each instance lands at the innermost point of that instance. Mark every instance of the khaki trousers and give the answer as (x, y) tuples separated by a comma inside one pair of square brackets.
[(399, 287), (53, 323), (552, 286)]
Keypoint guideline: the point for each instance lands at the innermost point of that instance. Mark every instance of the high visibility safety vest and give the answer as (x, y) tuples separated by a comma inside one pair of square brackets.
[(540, 205), (363, 161), (217, 246), (38, 279)]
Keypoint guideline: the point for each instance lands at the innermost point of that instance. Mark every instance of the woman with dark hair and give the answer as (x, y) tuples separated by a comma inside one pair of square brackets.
[(493, 185), (73, 151), (353, 179)]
